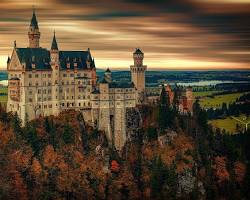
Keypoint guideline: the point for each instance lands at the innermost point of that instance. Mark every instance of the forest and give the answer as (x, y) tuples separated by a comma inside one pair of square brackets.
[(171, 156)]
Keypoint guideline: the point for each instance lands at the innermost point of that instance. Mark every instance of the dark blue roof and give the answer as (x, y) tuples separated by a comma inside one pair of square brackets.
[(41, 58), (38, 56), (121, 85), (33, 22), (79, 57), (54, 45)]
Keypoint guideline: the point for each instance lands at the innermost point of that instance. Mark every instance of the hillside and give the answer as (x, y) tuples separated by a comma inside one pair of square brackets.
[(63, 158)]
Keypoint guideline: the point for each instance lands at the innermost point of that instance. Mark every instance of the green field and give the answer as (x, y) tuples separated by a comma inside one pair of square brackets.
[(3, 98), (205, 93), (217, 101), (229, 124)]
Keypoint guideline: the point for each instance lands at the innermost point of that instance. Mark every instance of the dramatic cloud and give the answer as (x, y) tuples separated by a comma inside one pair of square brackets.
[(173, 33)]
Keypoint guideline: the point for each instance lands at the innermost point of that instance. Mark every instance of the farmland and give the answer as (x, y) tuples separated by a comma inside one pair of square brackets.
[(3, 94), (216, 101), (229, 124)]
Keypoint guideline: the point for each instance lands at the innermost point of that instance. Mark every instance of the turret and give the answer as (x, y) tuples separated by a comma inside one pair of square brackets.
[(107, 76), (54, 52), (138, 74), (138, 57), (34, 34)]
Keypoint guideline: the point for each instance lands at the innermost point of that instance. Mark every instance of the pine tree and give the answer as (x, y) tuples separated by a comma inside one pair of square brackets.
[(165, 114)]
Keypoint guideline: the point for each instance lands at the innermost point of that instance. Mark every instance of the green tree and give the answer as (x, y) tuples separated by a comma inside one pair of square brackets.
[(165, 112), (152, 133), (16, 125), (68, 134)]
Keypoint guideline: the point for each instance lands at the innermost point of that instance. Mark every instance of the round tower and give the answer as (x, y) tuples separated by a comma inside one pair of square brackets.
[(138, 72), (34, 34), (107, 76), (54, 62)]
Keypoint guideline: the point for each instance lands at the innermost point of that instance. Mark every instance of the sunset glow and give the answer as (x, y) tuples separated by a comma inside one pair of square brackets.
[(175, 35)]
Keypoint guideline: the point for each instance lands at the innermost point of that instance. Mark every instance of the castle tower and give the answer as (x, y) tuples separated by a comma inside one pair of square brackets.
[(34, 34), (138, 73), (107, 76), (54, 62)]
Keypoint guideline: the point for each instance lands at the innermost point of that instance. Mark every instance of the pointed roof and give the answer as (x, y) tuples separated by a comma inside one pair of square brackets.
[(54, 45), (108, 70), (33, 22), (138, 51), (8, 59)]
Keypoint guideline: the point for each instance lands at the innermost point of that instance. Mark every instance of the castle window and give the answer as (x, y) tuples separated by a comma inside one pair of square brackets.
[(30, 84), (67, 82), (30, 99), (30, 92), (37, 75), (78, 74), (71, 75), (63, 104), (49, 83), (55, 81), (62, 83), (79, 104), (36, 83), (72, 97), (30, 75), (64, 75), (49, 75), (45, 99)]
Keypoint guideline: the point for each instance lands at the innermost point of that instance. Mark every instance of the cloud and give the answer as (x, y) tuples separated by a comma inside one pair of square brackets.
[(191, 31)]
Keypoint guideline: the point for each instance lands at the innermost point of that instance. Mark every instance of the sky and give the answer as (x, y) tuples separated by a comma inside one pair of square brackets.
[(173, 34)]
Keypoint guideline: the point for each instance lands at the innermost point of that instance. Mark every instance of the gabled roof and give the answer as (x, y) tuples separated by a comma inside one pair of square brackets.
[(78, 57), (41, 58), (38, 56)]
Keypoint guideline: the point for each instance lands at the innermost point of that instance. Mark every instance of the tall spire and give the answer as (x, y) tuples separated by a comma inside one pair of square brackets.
[(33, 22), (54, 45), (34, 34)]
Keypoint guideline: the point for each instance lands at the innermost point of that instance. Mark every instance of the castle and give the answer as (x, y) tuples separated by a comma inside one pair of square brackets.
[(46, 82)]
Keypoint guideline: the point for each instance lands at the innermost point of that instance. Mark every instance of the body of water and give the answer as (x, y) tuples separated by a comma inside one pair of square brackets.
[(208, 83)]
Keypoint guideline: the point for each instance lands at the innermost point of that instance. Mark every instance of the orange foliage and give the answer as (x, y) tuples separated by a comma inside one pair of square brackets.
[(5, 135), (240, 171), (115, 167), (220, 169), (20, 190), (21, 158), (36, 167), (49, 156)]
